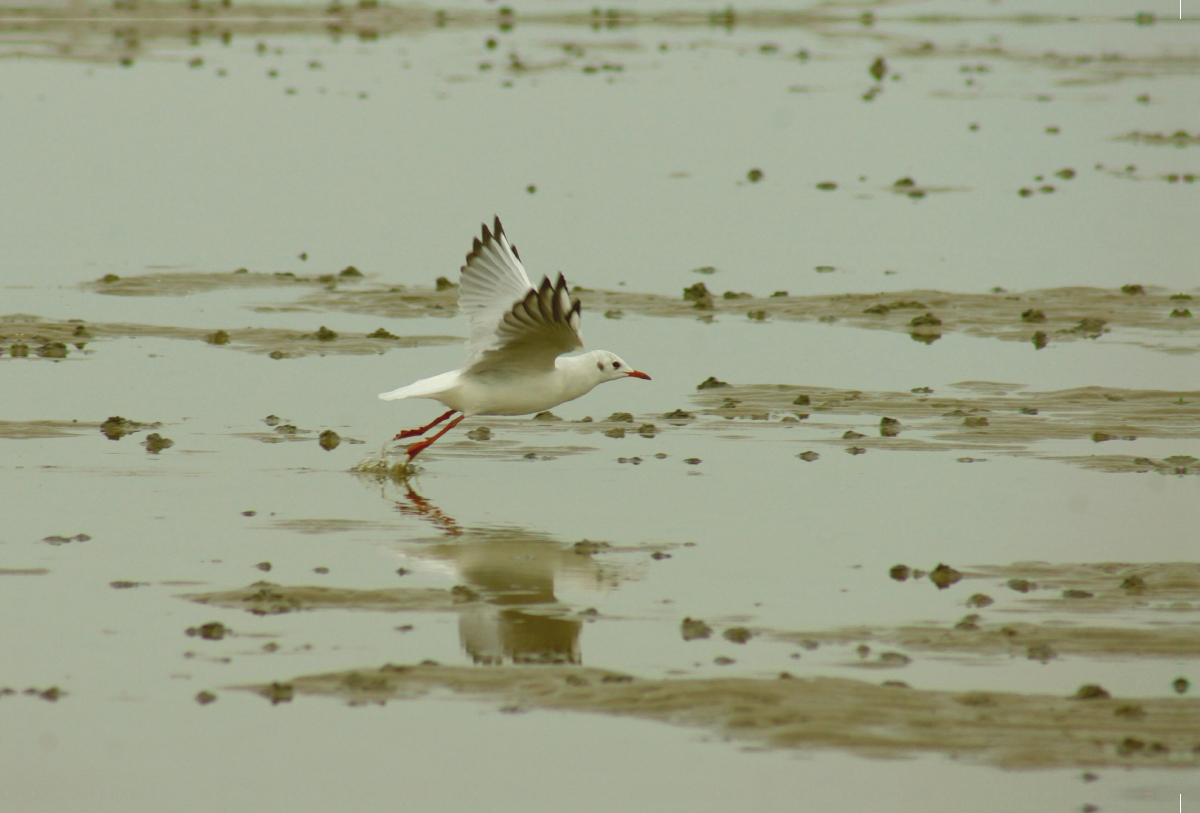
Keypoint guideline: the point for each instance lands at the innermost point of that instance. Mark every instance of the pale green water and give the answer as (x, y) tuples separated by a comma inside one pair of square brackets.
[(126, 169)]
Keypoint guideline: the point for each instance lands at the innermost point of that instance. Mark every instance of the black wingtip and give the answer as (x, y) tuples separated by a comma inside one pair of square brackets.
[(496, 227)]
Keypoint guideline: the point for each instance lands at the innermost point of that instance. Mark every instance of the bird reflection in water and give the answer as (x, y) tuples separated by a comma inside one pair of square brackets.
[(510, 613)]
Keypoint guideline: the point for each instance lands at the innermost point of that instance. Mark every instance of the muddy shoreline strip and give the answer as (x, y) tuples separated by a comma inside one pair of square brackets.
[(1142, 314), (995, 728)]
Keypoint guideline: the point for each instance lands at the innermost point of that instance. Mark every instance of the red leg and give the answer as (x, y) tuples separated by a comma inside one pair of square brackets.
[(412, 433), (417, 448)]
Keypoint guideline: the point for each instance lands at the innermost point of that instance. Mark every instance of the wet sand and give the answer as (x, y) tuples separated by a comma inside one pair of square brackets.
[(1089, 729), (995, 728), (1155, 318), (1145, 315)]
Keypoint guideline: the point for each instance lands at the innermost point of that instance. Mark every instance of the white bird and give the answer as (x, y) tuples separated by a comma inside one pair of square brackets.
[(518, 334)]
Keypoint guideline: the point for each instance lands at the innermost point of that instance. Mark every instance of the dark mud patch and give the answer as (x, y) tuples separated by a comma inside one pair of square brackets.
[(1064, 314), (994, 728), (183, 283), (1166, 587), (24, 430), (1154, 605), (74, 337), (1179, 138), (264, 598), (103, 34), (1040, 317), (974, 415), (1174, 464), (1042, 641)]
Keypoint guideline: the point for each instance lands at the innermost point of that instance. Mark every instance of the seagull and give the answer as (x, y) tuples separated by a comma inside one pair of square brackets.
[(514, 360)]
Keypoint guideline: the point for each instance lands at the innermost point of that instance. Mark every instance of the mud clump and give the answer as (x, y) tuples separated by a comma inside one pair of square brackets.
[(329, 440), (693, 629), (212, 631), (700, 295), (1090, 327), (278, 693), (737, 635), (678, 415), (155, 443), (1043, 653), (63, 540), (944, 576), (116, 427)]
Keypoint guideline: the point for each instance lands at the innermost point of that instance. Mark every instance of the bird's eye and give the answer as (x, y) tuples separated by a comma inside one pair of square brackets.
[(616, 365)]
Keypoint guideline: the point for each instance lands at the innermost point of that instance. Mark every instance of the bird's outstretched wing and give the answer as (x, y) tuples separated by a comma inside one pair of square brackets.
[(513, 325)]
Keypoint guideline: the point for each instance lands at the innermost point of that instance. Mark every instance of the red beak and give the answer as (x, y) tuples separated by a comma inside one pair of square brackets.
[(636, 374)]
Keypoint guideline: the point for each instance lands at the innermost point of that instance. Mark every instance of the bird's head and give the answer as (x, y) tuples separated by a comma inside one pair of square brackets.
[(609, 367)]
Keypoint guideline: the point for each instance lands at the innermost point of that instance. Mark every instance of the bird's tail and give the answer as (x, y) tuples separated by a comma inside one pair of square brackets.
[(425, 388)]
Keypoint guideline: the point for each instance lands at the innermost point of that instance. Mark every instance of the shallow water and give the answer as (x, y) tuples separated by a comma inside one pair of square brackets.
[(621, 614)]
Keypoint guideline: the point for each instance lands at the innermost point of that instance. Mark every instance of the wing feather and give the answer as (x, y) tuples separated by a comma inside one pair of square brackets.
[(513, 324), (492, 280), (535, 331)]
